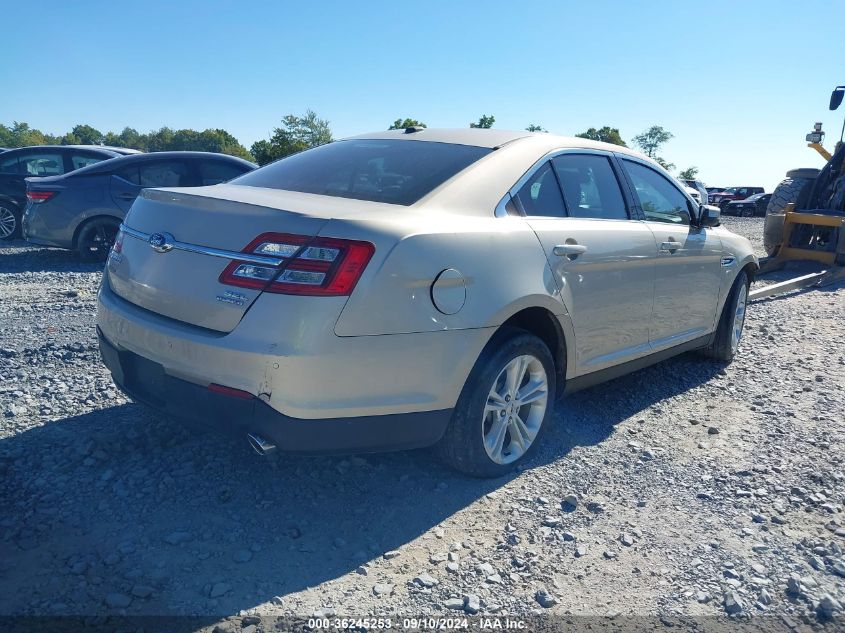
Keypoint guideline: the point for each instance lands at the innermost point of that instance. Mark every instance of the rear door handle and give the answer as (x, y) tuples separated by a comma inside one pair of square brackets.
[(670, 246), (569, 250)]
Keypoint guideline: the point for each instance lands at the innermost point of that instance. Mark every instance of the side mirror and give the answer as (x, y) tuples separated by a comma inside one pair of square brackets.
[(709, 215), (836, 97)]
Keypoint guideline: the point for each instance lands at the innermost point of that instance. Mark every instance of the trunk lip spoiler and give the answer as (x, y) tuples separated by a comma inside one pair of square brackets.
[(203, 250)]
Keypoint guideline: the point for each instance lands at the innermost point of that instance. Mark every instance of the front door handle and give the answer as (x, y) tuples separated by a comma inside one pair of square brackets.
[(569, 250), (126, 196), (671, 246)]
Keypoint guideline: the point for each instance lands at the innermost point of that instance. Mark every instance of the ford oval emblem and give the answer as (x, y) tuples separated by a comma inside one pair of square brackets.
[(161, 242)]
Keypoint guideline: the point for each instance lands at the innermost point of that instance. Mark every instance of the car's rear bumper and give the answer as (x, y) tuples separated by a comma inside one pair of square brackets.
[(286, 353), (36, 231), (146, 381)]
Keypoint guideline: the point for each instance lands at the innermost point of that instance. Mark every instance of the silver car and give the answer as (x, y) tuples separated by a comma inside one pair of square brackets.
[(415, 287)]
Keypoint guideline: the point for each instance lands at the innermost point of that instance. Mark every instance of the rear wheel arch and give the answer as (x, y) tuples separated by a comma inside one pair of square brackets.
[(9, 200), (546, 326), (89, 220)]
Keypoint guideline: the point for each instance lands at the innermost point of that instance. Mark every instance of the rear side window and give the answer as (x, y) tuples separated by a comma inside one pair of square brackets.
[(391, 171), (129, 174), (9, 166), (83, 160), (660, 200), (540, 195), (169, 173), (214, 172), (590, 187)]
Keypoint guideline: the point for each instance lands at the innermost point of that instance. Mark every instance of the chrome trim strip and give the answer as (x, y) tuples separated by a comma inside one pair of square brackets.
[(584, 150), (207, 250), (550, 155)]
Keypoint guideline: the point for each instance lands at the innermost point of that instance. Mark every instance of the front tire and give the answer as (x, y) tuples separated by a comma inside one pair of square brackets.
[(504, 408), (731, 322)]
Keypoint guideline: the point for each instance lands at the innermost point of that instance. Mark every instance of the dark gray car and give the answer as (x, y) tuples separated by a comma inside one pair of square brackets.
[(42, 160), (83, 210)]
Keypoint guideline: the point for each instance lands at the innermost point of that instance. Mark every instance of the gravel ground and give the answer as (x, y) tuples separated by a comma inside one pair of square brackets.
[(689, 488)]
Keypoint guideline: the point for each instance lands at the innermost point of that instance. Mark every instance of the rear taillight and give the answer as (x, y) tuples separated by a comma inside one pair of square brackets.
[(230, 391), (316, 266), (117, 247), (37, 197)]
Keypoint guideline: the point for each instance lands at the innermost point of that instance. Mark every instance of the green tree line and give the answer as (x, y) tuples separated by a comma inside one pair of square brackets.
[(294, 134), (164, 139)]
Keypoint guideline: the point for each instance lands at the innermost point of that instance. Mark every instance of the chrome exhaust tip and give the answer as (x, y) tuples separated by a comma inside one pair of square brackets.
[(259, 444)]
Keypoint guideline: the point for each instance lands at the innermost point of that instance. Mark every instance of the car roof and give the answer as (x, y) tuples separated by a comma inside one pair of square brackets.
[(459, 136), (475, 190), (108, 148), (95, 148), (121, 161), (492, 138)]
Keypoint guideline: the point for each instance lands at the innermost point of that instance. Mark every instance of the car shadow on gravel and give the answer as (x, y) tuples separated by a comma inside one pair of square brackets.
[(42, 260), (121, 502), (137, 503), (587, 417)]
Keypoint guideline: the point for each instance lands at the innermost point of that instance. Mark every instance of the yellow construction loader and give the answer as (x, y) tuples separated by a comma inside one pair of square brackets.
[(805, 218)]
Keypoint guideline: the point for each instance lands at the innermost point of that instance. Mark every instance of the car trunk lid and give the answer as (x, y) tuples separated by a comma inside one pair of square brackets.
[(209, 225)]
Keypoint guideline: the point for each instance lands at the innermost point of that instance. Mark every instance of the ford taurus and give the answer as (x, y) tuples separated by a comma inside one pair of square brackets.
[(415, 287)]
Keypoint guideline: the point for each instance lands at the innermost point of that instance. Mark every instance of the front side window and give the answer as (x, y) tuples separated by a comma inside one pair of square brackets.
[(590, 187), (659, 199), (540, 195), (169, 173), (391, 171), (41, 165)]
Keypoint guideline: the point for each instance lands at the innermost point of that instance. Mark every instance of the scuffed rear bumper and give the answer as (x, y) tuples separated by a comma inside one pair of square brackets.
[(36, 231), (285, 352), (146, 381)]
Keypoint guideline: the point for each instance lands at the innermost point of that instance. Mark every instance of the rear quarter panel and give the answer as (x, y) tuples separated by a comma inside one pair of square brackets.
[(502, 263), (77, 200)]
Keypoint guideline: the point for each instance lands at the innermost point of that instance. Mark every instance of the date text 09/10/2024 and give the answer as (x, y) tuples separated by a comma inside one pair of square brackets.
[(420, 624)]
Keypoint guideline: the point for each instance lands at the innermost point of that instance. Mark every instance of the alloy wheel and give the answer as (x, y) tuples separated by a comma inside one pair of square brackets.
[(516, 406), (8, 223)]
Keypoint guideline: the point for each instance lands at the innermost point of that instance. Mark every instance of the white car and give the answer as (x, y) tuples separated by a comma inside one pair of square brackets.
[(699, 188), (693, 193), (415, 287)]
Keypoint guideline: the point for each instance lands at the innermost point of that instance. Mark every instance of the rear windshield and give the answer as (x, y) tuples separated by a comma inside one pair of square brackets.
[(396, 172)]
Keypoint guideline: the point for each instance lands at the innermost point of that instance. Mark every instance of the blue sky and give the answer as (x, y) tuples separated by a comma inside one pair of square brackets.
[(739, 84)]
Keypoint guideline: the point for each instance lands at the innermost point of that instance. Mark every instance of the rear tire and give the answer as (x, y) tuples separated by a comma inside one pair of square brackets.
[(492, 430), (96, 238), (794, 188), (10, 221), (731, 322)]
